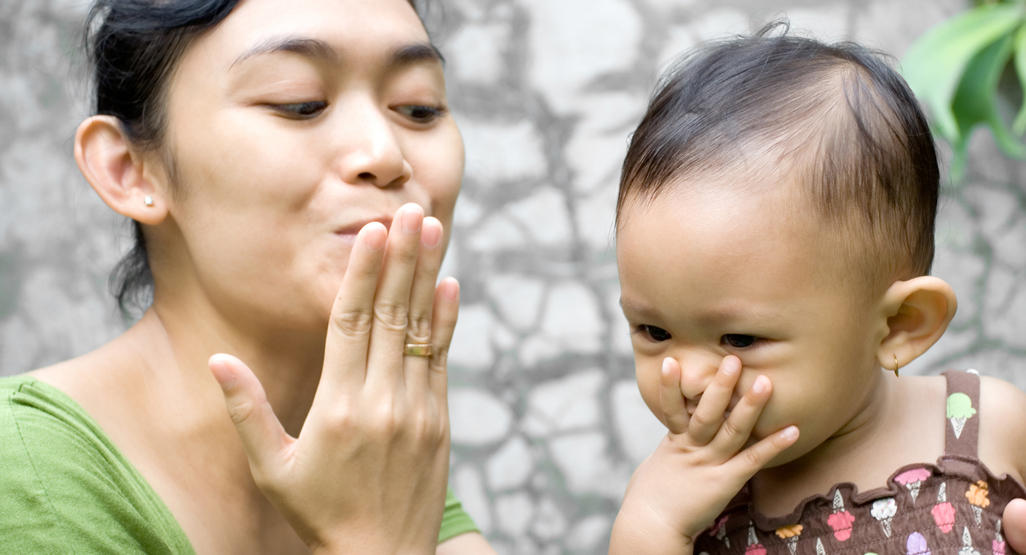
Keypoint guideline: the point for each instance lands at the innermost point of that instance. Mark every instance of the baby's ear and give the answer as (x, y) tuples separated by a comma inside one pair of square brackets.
[(118, 173), (918, 312)]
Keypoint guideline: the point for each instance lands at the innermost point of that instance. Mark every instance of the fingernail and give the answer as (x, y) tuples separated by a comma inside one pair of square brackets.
[(790, 432), (224, 376), (761, 384), (374, 236), (412, 219), (452, 291), (431, 234), (731, 366)]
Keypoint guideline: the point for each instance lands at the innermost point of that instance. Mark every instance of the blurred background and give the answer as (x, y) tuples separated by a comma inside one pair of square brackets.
[(547, 422)]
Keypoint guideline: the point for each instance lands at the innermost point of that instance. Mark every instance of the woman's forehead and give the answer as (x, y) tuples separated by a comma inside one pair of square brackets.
[(350, 28)]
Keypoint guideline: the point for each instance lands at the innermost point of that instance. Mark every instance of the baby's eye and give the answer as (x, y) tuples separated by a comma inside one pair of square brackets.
[(300, 110), (420, 113), (654, 333), (738, 340)]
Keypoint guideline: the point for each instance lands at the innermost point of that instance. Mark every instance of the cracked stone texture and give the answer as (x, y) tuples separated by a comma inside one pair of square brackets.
[(547, 423)]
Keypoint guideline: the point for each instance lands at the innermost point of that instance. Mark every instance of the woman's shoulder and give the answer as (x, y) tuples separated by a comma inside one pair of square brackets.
[(65, 483), (46, 434), (104, 383), (34, 413)]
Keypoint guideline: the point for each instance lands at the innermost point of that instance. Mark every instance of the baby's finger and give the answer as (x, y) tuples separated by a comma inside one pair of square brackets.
[(753, 459), (671, 400), (708, 416), (736, 430), (261, 433), (392, 299)]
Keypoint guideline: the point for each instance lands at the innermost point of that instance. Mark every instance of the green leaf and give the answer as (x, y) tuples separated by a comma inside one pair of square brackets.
[(935, 64), (1019, 125), (975, 102)]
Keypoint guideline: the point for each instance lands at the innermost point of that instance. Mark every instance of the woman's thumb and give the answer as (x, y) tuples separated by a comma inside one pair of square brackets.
[(262, 434)]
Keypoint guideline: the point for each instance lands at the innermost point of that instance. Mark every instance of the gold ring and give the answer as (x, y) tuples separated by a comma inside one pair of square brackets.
[(417, 349)]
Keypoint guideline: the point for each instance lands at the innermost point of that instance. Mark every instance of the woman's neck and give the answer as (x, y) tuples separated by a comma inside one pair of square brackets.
[(286, 361)]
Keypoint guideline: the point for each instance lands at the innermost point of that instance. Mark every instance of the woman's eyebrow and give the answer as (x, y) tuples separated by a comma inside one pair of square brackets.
[(312, 48), (416, 53), (407, 54)]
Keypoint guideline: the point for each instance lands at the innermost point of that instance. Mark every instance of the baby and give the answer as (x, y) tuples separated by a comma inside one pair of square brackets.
[(775, 225)]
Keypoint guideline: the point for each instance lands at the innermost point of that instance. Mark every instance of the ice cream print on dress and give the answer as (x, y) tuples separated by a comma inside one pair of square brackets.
[(960, 409), (840, 520), (913, 479), (884, 511)]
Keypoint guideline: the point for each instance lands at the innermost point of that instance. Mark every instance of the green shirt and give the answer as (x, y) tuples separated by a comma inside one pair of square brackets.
[(64, 487)]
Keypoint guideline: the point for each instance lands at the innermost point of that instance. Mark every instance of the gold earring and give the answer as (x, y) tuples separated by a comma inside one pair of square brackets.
[(895, 365)]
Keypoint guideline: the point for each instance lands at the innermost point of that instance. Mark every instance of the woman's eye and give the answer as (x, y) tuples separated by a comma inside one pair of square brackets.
[(420, 113), (738, 340), (655, 333), (301, 110)]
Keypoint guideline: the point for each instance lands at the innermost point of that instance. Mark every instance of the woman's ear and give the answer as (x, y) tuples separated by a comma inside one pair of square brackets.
[(116, 172), (918, 312)]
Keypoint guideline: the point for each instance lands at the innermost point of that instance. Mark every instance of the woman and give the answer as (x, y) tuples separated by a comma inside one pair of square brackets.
[(292, 169)]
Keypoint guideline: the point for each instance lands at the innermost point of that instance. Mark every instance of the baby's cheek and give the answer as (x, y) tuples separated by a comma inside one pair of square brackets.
[(648, 384), (772, 419), (776, 417)]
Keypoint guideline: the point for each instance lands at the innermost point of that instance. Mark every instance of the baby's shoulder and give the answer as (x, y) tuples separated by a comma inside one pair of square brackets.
[(1002, 403), (1002, 426)]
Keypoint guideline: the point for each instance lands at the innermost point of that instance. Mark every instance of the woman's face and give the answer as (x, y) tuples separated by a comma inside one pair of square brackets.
[(289, 126)]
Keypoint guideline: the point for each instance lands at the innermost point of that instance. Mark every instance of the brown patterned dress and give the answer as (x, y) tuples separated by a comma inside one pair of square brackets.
[(953, 506)]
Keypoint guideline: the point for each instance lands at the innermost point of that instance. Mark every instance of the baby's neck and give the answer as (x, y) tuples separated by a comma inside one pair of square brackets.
[(902, 424)]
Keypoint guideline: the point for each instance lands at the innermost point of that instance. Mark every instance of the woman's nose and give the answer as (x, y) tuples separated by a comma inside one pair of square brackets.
[(370, 150)]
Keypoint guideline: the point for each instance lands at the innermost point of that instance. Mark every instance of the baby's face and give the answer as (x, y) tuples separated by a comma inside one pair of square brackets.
[(705, 273)]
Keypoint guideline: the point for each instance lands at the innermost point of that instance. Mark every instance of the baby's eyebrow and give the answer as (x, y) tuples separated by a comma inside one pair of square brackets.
[(629, 306), (731, 314), (711, 316)]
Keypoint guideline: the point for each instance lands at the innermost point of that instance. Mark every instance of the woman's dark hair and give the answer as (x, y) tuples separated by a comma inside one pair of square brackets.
[(835, 117), (133, 47)]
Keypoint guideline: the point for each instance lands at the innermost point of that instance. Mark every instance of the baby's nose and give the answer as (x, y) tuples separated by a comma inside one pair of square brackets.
[(696, 375)]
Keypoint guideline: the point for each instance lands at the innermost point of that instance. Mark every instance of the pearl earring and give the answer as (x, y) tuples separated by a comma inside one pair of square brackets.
[(148, 200)]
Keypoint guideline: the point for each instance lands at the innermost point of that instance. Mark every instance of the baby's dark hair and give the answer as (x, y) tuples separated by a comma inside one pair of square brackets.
[(834, 118)]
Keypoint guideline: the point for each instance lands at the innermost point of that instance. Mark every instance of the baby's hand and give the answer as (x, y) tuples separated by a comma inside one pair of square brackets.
[(700, 465)]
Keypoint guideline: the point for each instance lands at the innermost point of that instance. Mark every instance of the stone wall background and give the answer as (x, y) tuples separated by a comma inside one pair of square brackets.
[(547, 422)]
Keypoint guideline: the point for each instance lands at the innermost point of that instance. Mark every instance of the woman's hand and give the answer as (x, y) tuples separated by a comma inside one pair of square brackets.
[(700, 465), (1014, 523), (368, 472)]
